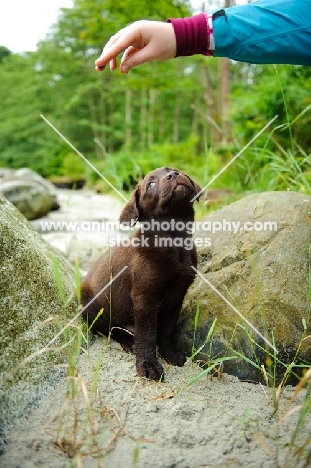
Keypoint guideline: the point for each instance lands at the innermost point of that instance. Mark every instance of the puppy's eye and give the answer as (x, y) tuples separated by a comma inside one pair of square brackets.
[(151, 184)]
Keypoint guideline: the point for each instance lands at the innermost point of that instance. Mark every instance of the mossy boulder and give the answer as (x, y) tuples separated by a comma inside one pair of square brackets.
[(263, 270), (36, 298)]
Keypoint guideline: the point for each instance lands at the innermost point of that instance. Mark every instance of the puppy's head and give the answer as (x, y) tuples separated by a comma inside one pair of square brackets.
[(163, 193)]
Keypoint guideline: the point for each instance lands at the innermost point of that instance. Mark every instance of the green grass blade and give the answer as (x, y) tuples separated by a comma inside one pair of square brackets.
[(206, 371)]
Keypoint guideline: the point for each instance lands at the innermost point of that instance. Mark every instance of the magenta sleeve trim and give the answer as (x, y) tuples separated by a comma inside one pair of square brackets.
[(192, 35)]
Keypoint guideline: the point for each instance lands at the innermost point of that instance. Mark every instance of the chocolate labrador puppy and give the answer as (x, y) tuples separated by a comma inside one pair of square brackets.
[(141, 306)]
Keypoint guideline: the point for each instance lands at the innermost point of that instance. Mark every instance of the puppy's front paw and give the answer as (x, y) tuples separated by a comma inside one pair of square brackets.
[(174, 357), (151, 369)]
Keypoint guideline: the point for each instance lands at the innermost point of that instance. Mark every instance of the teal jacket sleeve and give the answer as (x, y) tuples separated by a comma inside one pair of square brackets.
[(265, 31)]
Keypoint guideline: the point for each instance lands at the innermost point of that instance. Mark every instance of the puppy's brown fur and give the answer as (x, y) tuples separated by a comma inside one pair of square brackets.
[(147, 297)]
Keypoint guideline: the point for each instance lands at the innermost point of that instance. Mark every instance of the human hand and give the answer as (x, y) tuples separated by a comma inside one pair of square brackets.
[(141, 42)]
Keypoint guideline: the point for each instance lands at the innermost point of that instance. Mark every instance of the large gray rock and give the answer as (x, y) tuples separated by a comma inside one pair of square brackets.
[(31, 300), (32, 195), (263, 273)]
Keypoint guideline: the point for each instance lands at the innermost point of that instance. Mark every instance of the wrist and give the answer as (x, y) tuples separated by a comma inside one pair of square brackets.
[(194, 35)]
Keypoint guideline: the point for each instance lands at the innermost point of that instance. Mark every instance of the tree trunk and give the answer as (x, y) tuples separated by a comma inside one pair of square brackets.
[(128, 118), (212, 111), (195, 120), (102, 117), (175, 136), (224, 70), (152, 98), (143, 117), (224, 98), (161, 126), (94, 122)]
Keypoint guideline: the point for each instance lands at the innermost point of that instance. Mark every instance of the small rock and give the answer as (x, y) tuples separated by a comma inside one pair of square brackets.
[(30, 198), (32, 195)]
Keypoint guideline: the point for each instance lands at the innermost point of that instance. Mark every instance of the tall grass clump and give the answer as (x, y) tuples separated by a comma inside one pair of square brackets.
[(84, 426)]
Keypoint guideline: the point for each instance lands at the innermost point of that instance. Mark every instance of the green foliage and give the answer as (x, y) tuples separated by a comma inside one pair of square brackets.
[(72, 165), (125, 168), (160, 114), (282, 161), (4, 52)]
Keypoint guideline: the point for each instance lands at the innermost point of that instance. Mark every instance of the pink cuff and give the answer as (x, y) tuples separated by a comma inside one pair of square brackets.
[(194, 35)]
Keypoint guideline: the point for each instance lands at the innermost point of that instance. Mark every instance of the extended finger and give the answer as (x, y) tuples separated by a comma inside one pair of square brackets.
[(113, 64), (101, 65), (115, 46)]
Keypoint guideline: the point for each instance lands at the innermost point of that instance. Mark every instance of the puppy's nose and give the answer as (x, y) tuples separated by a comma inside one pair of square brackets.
[(172, 175)]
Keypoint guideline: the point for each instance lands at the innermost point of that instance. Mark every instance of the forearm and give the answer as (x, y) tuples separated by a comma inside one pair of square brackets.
[(267, 31)]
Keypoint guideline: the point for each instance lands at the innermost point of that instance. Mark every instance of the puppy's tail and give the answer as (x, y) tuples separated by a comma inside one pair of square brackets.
[(86, 293), (88, 306)]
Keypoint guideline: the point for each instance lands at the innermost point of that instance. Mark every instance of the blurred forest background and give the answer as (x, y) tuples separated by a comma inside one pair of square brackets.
[(194, 113)]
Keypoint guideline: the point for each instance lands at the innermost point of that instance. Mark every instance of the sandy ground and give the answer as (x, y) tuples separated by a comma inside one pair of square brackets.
[(126, 421)]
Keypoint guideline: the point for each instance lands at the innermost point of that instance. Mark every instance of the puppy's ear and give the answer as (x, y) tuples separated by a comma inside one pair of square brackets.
[(130, 213)]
